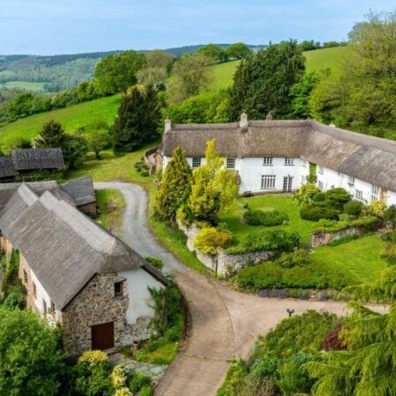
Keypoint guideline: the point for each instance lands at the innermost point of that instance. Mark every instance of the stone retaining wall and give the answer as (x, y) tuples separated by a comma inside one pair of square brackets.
[(324, 238), (222, 263)]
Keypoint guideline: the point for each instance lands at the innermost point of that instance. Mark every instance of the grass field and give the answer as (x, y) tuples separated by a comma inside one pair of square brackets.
[(283, 203), (71, 118), (26, 85), (327, 58), (223, 74), (359, 259)]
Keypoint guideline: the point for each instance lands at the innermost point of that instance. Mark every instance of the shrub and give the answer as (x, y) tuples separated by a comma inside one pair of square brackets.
[(145, 391), (306, 193), (353, 208), (14, 300), (263, 367), (325, 225), (389, 253), (390, 215), (289, 260), (265, 218), (315, 212), (119, 375), (377, 208), (368, 223), (337, 197), (155, 262), (92, 357), (123, 392), (209, 240), (138, 381), (332, 340)]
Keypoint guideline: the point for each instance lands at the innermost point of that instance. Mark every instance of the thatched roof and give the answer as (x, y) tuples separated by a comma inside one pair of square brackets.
[(64, 248), (365, 157), (7, 168), (81, 189), (32, 159)]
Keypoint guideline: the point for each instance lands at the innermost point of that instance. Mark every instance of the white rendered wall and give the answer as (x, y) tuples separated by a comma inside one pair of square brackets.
[(41, 295), (140, 301)]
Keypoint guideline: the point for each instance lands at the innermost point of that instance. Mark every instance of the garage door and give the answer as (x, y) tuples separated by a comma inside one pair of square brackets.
[(103, 336)]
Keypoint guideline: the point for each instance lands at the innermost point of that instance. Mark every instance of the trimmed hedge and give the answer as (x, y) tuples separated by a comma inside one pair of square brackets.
[(278, 240), (367, 223), (318, 211), (209, 239), (265, 218)]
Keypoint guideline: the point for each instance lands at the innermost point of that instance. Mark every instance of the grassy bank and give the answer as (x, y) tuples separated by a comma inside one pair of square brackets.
[(110, 206)]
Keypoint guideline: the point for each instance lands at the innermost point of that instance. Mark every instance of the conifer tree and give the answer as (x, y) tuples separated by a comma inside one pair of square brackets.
[(175, 186), (214, 188), (51, 135), (138, 119)]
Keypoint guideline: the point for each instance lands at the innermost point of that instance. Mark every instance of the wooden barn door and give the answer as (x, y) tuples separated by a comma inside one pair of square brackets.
[(103, 336)]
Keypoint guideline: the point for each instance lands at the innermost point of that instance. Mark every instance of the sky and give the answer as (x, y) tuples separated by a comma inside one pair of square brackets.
[(74, 26)]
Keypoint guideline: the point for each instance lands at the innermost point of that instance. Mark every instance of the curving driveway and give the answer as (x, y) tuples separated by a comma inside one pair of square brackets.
[(224, 323)]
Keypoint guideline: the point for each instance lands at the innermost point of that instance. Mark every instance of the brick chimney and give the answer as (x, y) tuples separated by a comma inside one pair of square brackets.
[(268, 117), (168, 125), (244, 123)]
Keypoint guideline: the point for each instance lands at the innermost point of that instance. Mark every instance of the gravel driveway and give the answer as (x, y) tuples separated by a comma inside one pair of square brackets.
[(224, 323)]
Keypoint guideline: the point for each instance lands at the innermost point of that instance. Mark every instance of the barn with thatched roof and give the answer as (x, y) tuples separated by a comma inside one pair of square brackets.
[(76, 273), (24, 161), (277, 155)]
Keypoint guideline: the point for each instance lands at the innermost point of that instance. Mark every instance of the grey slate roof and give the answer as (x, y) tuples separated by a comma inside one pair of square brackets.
[(81, 189), (7, 167), (63, 247), (365, 157), (8, 189), (31, 159)]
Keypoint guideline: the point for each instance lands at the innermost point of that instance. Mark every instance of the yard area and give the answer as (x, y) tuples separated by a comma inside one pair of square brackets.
[(359, 259), (281, 202)]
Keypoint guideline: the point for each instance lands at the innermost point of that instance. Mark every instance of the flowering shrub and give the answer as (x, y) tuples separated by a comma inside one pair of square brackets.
[(119, 375), (377, 208), (123, 392), (92, 356)]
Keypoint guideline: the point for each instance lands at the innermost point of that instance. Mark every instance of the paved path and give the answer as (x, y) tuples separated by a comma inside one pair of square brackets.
[(224, 323)]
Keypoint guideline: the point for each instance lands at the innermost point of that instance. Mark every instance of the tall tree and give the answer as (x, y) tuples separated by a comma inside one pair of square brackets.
[(51, 135), (263, 81), (175, 186), (191, 76), (213, 52), (138, 119), (238, 51), (117, 73), (213, 189)]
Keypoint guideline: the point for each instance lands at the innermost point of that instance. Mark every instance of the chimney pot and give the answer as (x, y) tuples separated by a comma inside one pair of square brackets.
[(168, 125), (244, 123)]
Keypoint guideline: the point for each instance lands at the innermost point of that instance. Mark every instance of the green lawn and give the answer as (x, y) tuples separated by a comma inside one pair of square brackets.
[(162, 355), (359, 259), (326, 58), (71, 118), (26, 85), (283, 203), (110, 205), (223, 74)]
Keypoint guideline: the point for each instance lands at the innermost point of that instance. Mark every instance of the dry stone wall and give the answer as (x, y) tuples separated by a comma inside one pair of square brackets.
[(324, 238), (222, 263)]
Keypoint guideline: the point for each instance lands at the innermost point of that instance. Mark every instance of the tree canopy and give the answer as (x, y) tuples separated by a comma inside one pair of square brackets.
[(263, 81), (117, 73), (238, 51)]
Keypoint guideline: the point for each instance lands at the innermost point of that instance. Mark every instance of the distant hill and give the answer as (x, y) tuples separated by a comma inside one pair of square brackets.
[(59, 72)]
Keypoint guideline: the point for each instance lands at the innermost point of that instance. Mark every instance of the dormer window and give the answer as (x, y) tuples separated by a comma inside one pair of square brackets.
[(267, 161), (230, 163), (118, 289), (289, 161)]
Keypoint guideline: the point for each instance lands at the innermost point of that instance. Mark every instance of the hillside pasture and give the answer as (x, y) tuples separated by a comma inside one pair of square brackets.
[(71, 118), (25, 85)]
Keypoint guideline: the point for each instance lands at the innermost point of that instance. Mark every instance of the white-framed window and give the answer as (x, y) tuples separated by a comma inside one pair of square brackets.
[(320, 170), (196, 162), (359, 195), (351, 180), (267, 161), (268, 182), (230, 163), (304, 163), (320, 185), (374, 192), (303, 179), (289, 161)]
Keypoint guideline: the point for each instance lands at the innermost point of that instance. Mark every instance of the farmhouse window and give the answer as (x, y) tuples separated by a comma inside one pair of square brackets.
[(304, 163), (230, 163), (289, 161), (268, 182), (118, 289), (351, 180), (44, 307), (320, 185), (196, 162), (52, 306), (374, 192), (34, 290), (303, 180), (25, 278), (320, 170), (359, 195), (267, 161)]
